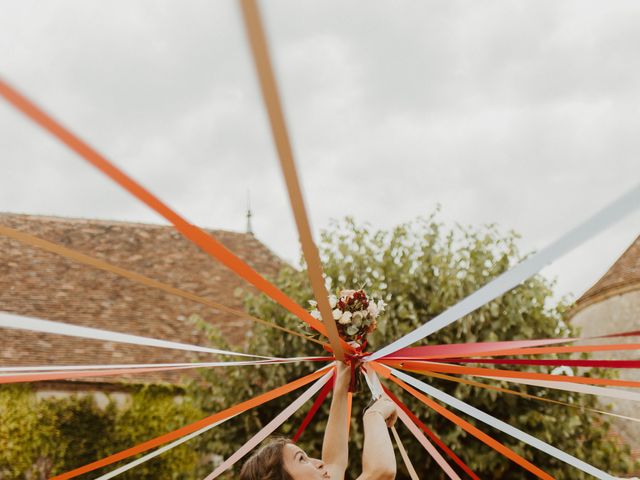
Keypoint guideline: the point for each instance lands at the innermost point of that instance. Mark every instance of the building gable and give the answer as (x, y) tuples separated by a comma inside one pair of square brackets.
[(623, 276)]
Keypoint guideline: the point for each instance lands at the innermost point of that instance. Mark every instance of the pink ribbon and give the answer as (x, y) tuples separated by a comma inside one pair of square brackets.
[(552, 362), (572, 387), (270, 427), (66, 371), (431, 435), (466, 349), (458, 349), (427, 445)]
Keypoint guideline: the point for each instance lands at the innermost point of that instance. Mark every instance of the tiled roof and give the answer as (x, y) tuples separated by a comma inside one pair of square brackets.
[(623, 275), (47, 286)]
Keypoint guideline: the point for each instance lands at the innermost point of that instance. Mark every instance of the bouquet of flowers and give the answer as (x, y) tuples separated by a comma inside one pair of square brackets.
[(355, 314)]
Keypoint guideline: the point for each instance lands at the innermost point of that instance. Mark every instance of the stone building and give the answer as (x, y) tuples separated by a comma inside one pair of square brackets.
[(612, 305), (44, 285)]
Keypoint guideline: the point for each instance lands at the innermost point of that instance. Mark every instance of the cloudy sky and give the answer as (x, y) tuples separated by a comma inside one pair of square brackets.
[(524, 113)]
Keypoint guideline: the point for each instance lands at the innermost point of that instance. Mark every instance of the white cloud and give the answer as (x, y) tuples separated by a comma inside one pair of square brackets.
[(521, 113)]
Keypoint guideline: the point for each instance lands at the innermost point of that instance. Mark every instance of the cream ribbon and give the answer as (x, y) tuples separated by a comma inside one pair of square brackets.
[(502, 426), (18, 322)]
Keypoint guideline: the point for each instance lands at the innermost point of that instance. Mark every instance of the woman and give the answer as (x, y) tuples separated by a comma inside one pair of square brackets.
[(282, 460)]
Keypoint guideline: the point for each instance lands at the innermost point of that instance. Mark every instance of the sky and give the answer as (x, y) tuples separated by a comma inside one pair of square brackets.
[(520, 113)]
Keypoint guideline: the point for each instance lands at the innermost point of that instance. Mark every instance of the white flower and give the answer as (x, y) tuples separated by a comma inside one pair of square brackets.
[(351, 330), (345, 319), (381, 306), (313, 303), (357, 318), (372, 309), (333, 301), (316, 314), (337, 313), (346, 293)]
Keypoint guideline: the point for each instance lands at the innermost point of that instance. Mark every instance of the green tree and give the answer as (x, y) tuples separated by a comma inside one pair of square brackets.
[(421, 268)]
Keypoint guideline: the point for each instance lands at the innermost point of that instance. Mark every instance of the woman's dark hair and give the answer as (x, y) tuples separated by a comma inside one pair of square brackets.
[(267, 463)]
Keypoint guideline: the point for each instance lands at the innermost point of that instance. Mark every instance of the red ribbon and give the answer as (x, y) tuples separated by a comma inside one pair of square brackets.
[(558, 362), (355, 362), (314, 408), (430, 434)]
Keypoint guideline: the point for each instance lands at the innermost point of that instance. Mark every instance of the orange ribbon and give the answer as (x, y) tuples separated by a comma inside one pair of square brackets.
[(314, 408), (133, 276), (521, 394), (430, 434), (198, 236), (494, 372), (499, 447), (167, 437), (552, 350)]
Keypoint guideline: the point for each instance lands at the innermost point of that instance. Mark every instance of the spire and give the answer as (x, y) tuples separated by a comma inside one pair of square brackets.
[(249, 214)]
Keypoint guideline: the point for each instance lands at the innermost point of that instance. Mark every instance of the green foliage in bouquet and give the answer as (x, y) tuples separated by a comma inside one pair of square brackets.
[(420, 269)]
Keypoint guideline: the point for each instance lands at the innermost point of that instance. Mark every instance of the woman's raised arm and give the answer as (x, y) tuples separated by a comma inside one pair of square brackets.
[(378, 458), (335, 447)]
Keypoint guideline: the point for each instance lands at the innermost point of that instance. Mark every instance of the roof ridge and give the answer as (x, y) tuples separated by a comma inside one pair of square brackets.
[(625, 270), (101, 221)]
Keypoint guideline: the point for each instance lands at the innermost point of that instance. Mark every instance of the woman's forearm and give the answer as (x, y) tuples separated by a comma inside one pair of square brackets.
[(335, 448), (378, 458)]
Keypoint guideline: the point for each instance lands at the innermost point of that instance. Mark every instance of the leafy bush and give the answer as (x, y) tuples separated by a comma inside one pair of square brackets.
[(46, 437), (420, 269)]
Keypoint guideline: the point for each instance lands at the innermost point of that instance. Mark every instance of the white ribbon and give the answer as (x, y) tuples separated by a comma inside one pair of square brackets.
[(373, 382), (165, 448), (573, 387), (508, 280), (502, 426), (18, 322), (160, 450), (61, 368), (270, 427)]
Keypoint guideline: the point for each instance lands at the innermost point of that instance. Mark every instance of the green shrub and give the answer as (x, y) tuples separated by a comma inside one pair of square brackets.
[(46, 437)]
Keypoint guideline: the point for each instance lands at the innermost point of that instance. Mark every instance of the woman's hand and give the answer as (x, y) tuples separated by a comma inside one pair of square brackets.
[(386, 408)]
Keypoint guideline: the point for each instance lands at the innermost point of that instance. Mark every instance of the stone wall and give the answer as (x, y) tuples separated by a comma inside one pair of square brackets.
[(618, 313)]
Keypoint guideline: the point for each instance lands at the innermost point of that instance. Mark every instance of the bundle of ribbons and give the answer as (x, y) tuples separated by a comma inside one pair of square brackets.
[(395, 363)]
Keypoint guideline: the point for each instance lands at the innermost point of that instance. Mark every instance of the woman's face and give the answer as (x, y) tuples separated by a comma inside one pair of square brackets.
[(301, 467)]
